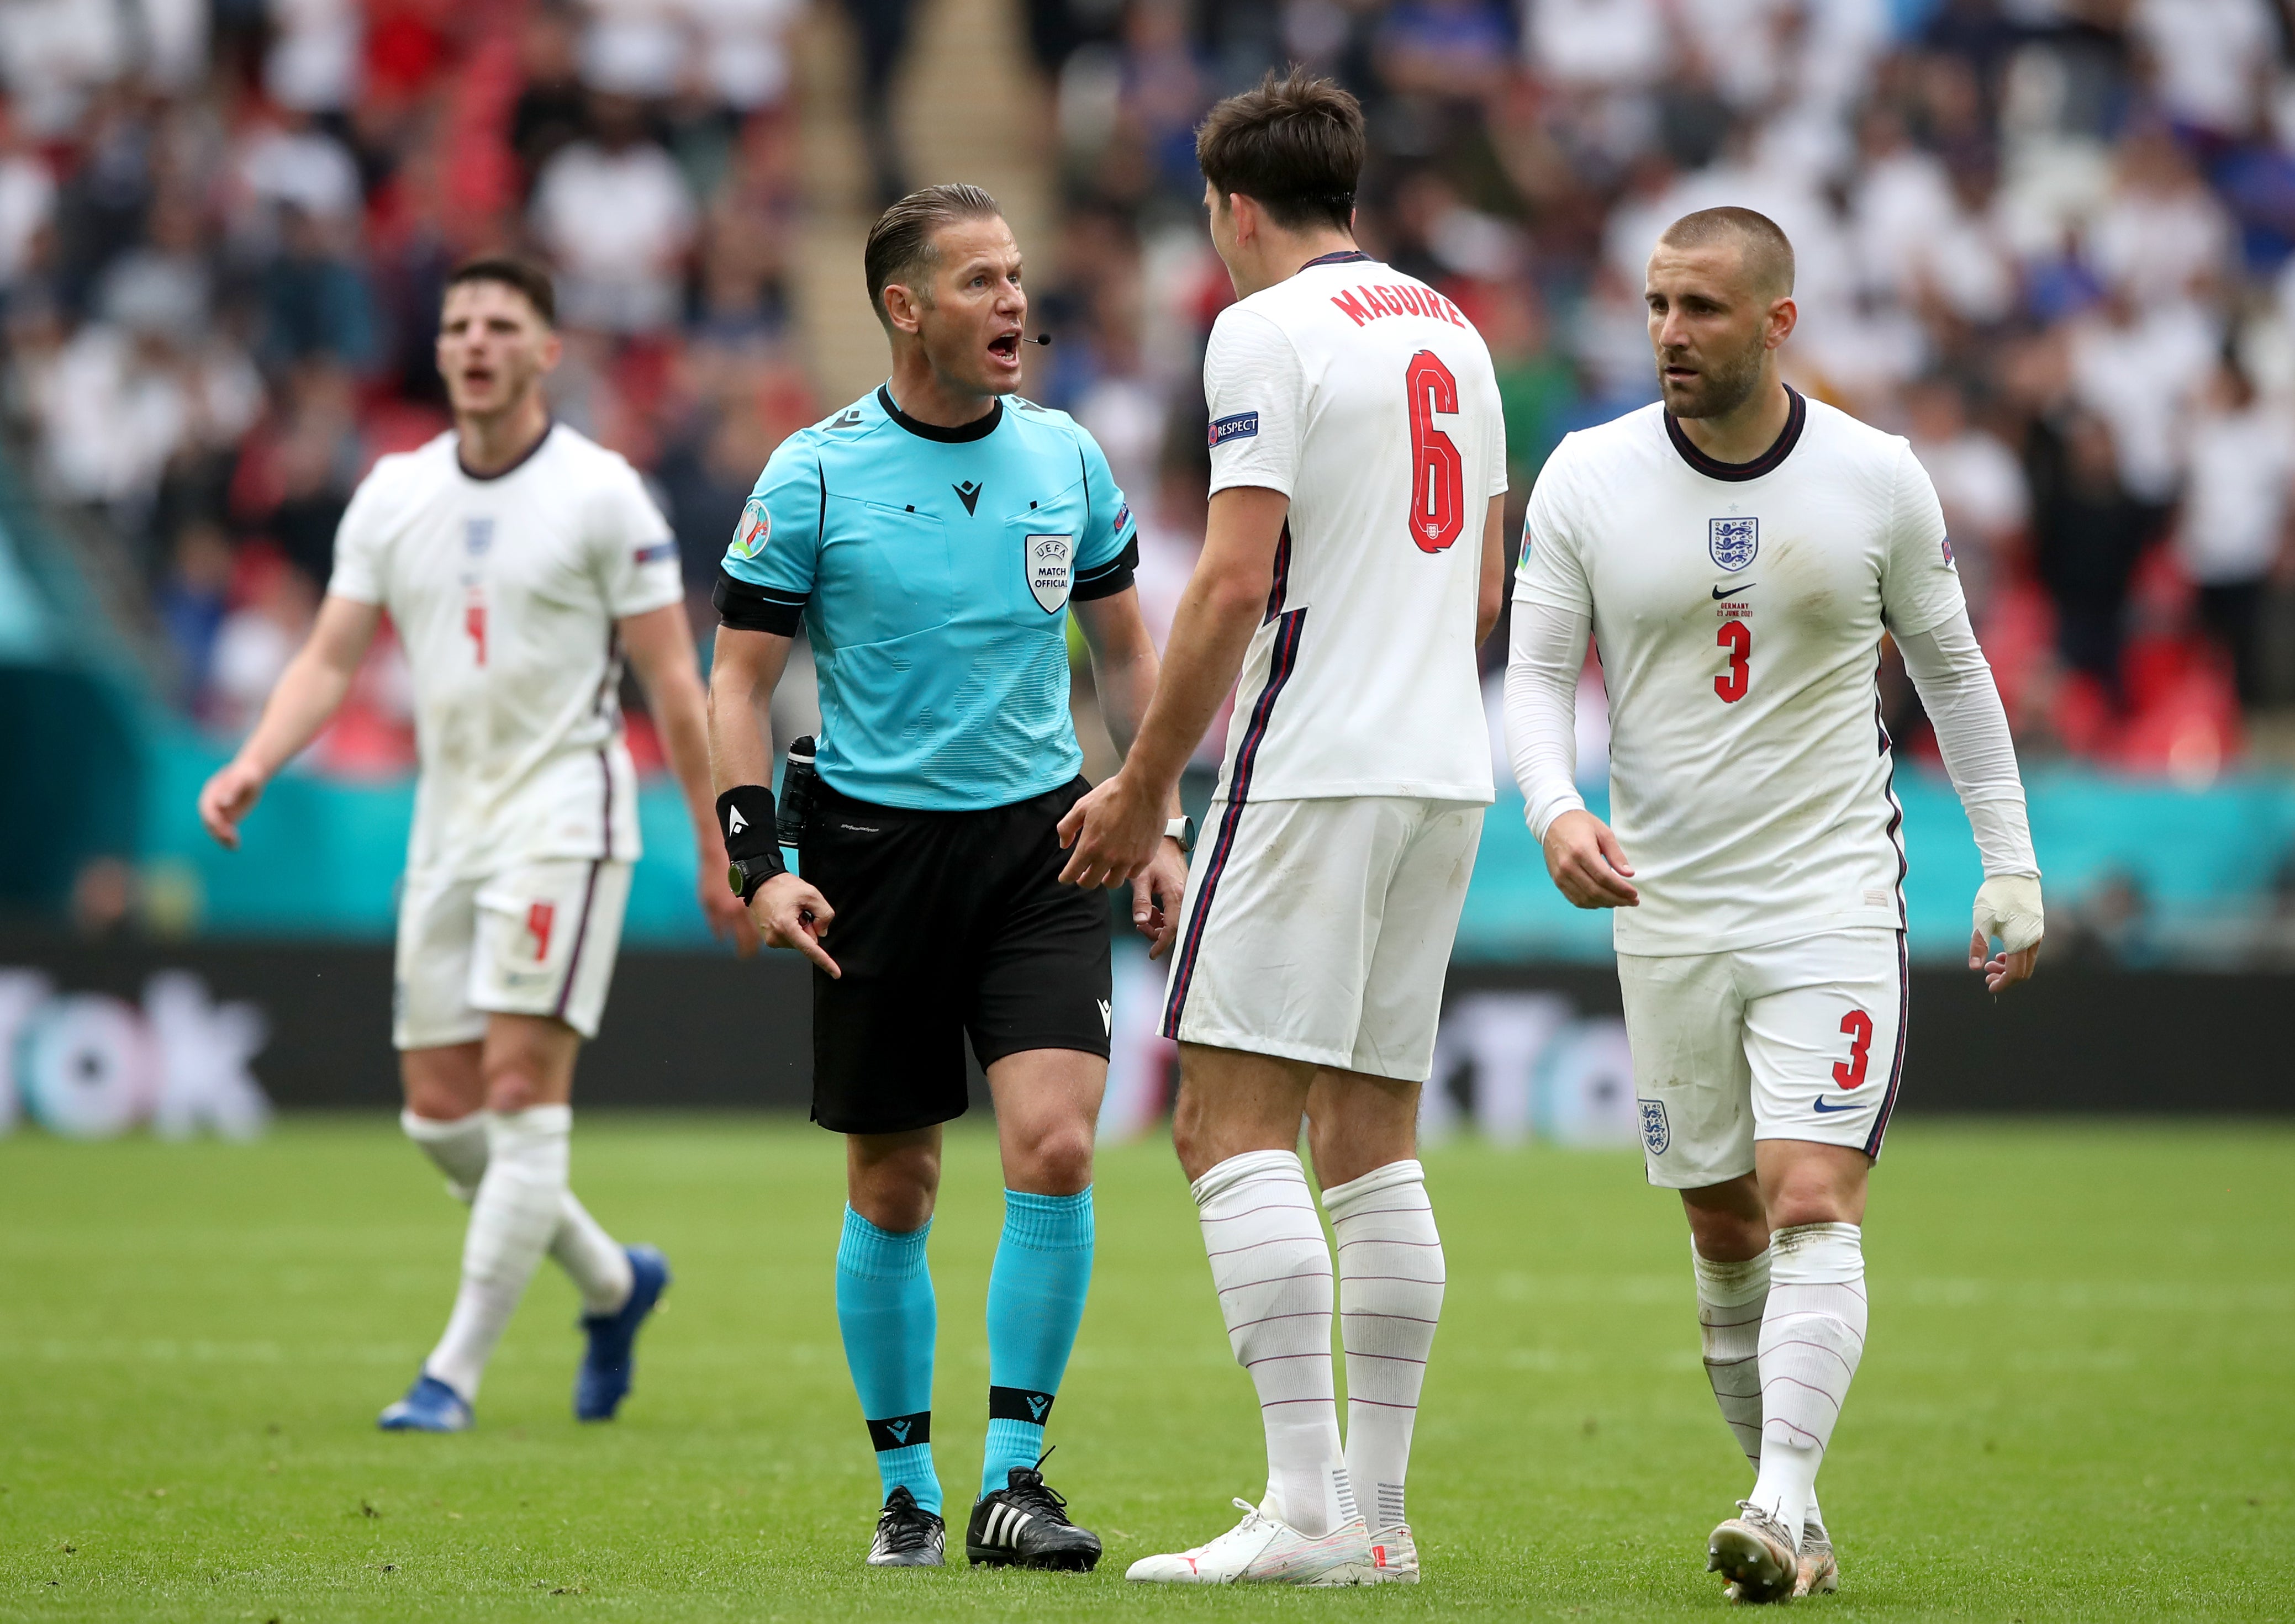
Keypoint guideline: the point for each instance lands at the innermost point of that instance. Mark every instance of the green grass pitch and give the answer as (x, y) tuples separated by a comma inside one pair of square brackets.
[(2077, 1403)]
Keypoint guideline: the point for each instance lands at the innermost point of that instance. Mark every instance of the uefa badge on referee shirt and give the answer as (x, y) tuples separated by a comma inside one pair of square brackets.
[(1052, 570), (756, 526)]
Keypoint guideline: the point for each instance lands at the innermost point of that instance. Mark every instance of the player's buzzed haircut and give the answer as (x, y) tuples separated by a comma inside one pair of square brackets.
[(1769, 255), (1294, 145), (900, 244), (524, 275)]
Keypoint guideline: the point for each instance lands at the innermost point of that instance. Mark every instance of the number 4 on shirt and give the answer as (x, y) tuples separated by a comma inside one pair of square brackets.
[(1438, 474)]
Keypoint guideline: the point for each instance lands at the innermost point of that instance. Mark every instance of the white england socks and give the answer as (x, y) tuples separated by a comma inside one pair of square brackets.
[(1812, 1335), (594, 1260), (1391, 1280), (1729, 1303), (458, 1148), (520, 1204), (1730, 1299), (1272, 1267)]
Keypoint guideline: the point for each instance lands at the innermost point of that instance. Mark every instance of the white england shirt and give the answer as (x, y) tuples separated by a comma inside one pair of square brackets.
[(1367, 399), (504, 591), (1737, 612)]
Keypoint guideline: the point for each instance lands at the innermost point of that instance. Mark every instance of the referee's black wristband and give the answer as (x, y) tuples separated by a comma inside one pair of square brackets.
[(744, 817)]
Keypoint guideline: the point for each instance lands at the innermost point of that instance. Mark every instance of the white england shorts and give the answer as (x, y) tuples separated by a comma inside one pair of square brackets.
[(1802, 1039), (537, 939), (1321, 930)]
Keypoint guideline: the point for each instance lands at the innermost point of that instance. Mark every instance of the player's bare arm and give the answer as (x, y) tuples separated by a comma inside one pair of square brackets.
[(1114, 832), (788, 912), (310, 690), (1124, 669), (661, 651), (1490, 597)]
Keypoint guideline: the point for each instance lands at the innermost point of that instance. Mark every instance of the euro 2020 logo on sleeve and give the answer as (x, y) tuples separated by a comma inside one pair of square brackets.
[(755, 528), (1655, 1134), (1049, 561), (1733, 541)]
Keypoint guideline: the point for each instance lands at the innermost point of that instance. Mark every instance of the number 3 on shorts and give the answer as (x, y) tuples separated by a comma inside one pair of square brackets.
[(1851, 1072)]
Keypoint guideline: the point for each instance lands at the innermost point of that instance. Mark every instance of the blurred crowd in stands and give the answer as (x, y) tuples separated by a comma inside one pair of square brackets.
[(2048, 239)]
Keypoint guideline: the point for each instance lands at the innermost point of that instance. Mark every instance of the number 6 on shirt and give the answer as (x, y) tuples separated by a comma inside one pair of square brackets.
[(1438, 476)]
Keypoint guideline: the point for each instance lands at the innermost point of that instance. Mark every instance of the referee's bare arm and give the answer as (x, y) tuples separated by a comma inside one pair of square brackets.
[(310, 690), (742, 675), (660, 647)]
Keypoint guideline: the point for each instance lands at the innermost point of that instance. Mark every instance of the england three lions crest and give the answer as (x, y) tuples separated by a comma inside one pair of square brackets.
[(1655, 1133), (1733, 541), (1050, 561)]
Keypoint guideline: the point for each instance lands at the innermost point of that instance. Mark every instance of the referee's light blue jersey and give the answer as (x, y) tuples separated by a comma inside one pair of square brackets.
[(933, 569)]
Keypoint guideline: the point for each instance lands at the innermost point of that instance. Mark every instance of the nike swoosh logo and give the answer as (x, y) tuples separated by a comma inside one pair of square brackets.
[(1846, 1104), (1719, 592)]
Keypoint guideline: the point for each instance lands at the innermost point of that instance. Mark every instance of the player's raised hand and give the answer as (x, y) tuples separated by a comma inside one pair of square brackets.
[(226, 798), (1156, 894), (2008, 907), (791, 913), (1587, 864), (1110, 835)]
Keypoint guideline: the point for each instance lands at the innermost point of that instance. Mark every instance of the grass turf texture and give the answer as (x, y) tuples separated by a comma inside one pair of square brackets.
[(2076, 1404)]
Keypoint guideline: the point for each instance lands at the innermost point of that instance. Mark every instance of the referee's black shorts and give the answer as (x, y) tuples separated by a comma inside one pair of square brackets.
[(948, 923)]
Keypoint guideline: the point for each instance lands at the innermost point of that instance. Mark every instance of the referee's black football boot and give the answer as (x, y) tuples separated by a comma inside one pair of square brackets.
[(908, 1536), (1026, 1525)]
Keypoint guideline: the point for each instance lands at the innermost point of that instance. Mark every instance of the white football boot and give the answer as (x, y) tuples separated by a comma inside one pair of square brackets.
[(1754, 1554), (1262, 1549), (1394, 1556), (1820, 1571)]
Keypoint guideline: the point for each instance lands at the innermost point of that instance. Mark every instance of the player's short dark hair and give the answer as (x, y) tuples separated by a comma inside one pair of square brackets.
[(901, 242), (524, 275), (1768, 253), (1294, 145)]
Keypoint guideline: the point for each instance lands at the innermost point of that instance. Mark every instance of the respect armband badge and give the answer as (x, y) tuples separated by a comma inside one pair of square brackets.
[(1241, 425)]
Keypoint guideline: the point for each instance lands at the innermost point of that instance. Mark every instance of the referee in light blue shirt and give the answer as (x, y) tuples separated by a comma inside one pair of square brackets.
[(933, 537)]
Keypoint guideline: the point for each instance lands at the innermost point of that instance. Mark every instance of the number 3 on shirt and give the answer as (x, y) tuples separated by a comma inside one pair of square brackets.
[(1438, 476), (1737, 637)]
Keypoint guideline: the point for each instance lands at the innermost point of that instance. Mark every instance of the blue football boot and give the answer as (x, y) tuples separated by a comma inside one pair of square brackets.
[(429, 1406), (603, 1382)]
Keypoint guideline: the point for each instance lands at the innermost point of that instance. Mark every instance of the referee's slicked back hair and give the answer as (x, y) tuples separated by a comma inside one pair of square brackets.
[(1767, 256), (1294, 145), (901, 242), (524, 275)]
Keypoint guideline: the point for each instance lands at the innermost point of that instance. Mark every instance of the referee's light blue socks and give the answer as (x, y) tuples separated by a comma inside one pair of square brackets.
[(886, 1311), (1035, 1303)]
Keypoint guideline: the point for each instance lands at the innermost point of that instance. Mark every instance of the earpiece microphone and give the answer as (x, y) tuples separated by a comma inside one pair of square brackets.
[(1043, 339)]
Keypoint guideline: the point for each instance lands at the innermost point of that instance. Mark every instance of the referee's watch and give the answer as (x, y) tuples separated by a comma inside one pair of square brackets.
[(747, 874), (1183, 830)]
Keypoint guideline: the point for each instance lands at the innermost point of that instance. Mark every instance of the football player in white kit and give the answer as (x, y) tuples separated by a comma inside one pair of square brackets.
[(520, 563), (1354, 560), (1737, 551)]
